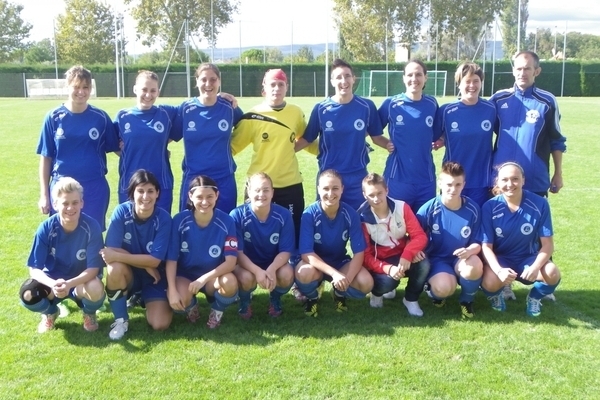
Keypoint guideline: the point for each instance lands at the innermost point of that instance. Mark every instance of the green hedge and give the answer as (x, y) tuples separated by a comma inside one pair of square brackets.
[(581, 78)]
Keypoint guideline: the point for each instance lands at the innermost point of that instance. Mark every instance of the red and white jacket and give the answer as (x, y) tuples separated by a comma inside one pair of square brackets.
[(398, 235)]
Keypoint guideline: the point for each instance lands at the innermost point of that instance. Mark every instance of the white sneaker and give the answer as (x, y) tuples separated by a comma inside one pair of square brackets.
[(390, 295), (47, 322), (413, 307), (63, 310), (119, 327), (508, 293), (376, 301), (214, 318), (549, 297)]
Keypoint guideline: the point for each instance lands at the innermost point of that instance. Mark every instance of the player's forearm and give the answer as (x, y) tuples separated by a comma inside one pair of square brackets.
[(171, 272), (44, 174), (317, 262), (41, 277), (380, 141), (247, 264), (355, 266), (557, 157), (280, 260), (84, 277), (490, 257)]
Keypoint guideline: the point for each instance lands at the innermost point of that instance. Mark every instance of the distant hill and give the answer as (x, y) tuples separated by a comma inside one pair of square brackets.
[(225, 55)]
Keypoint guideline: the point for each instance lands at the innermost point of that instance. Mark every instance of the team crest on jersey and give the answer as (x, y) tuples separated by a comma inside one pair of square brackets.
[(60, 133), (329, 126), (435, 228), (499, 232), (359, 125), (223, 125), (532, 116), (159, 127), (127, 238), (265, 137), (149, 247), (247, 236), (486, 125), (429, 121), (53, 251), (345, 235), (214, 251), (454, 127), (191, 126), (81, 254), (184, 247), (399, 120), (465, 232), (94, 134), (317, 238), (526, 228), (293, 137), (274, 239), (127, 128)]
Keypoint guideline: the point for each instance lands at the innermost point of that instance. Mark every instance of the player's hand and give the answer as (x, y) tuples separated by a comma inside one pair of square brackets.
[(175, 299), (272, 278), (390, 147), (109, 255), (438, 144), (196, 285), (506, 275), (420, 256), (461, 253), (44, 204), (340, 282), (153, 272), (60, 288), (404, 265), (230, 98), (262, 279), (395, 272), (556, 183), (530, 273)]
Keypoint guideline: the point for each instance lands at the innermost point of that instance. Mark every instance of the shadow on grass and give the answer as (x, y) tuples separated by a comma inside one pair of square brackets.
[(575, 309)]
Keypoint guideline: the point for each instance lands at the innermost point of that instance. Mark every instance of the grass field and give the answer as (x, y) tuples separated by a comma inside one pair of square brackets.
[(363, 354)]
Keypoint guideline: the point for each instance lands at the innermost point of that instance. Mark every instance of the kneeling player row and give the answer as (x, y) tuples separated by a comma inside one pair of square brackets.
[(200, 246)]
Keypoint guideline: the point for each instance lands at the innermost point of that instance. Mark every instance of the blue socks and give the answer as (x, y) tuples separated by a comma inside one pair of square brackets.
[(221, 302), (118, 303), (541, 289), (468, 289), (309, 289), (90, 307)]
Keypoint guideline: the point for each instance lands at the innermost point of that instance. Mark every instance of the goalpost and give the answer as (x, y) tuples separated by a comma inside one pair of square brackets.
[(388, 83), (51, 88)]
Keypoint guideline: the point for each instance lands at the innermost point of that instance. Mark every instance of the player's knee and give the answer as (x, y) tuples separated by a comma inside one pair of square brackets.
[(285, 275), (116, 273), (94, 289), (228, 284), (32, 292), (551, 273), (364, 281), (161, 323), (443, 288), (305, 273), (472, 268)]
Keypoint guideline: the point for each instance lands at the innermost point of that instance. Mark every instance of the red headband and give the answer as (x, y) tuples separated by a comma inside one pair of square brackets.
[(277, 74)]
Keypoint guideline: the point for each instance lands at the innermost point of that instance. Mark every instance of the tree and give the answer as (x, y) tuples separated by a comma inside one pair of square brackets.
[(367, 26), (39, 52), (253, 56), (510, 26), (461, 25), (85, 33), (304, 55), (321, 57), (13, 30), (163, 20), (274, 55)]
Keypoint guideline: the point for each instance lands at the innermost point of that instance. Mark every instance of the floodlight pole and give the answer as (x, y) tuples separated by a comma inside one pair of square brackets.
[(187, 58), (117, 57), (519, 27), (212, 33), (55, 46), (562, 84)]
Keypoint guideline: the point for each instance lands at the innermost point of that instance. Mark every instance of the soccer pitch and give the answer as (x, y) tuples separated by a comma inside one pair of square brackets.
[(362, 354)]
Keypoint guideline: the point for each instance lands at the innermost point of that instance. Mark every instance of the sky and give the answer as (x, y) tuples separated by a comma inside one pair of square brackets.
[(281, 22)]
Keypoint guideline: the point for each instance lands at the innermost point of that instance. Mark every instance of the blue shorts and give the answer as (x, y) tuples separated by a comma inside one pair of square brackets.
[(191, 275), (415, 195), (96, 196), (165, 199), (517, 265), (439, 265), (227, 192), (143, 283)]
